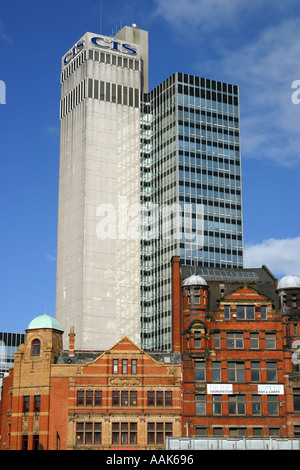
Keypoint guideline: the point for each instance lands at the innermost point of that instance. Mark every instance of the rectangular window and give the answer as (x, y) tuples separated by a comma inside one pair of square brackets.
[(159, 398), (236, 404), (88, 433), (274, 432), (96, 89), (199, 371), (115, 366), (254, 341), (107, 98), (197, 340), (136, 98), (97, 433), (115, 433), (151, 398), (272, 404), (133, 400), (124, 95), (119, 94), (168, 398), (236, 372), (227, 312), (237, 432), (255, 371), (24, 442), (217, 404), (157, 432), (124, 433), (26, 403), (98, 397), (296, 396), (201, 431), (270, 341), (116, 398), (35, 442), (124, 366), (37, 403), (245, 312), (90, 88), (263, 312), (113, 93), (89, 397), (130, 96), (124, 398), (200, 405), (133, 366), (80, 397), (271, 372), (102, 92), (256, 404), (296, 432), (235, 341), (133, 433), (216, 371)]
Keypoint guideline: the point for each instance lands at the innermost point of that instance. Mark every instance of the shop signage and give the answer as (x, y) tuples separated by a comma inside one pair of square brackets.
[(270, 389), (219, 389)]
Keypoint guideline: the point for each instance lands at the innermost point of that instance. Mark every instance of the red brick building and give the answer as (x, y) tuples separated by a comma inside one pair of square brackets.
[(233, 372), (238, 333), (115, 399)]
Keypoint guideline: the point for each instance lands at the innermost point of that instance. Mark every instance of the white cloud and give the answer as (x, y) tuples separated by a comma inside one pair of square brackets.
[(265, 70), (3, 36), (52, 130), (261, 57), (281, 256), (50, 257), (187, 15)]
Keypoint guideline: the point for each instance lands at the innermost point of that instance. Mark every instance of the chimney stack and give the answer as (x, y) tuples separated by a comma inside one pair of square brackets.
[(71, 341)]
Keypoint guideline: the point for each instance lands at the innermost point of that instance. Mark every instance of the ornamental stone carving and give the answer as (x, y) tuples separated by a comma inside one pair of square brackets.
[(124, 381)]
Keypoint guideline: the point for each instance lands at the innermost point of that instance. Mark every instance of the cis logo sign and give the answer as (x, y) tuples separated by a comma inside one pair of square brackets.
[(102, 43)]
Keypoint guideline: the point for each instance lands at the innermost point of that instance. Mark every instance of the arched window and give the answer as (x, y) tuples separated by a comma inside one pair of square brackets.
[(35, 347)]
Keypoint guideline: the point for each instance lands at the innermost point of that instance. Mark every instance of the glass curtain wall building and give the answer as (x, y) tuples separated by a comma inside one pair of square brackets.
[(9, 343), (190, 189)]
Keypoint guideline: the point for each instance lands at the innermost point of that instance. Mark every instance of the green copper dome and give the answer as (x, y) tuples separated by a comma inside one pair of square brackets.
[(44, 321)]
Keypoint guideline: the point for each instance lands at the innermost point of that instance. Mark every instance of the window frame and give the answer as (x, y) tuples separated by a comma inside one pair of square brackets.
[(200, 371), (158, 431), (124, 433), (242, 312), (296, 399), (89, 432), (236, 371), (271, 372), (36, 347), (236, 405)]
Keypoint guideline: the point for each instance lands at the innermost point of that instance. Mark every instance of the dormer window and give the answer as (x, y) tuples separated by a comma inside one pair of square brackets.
[(35, 347)]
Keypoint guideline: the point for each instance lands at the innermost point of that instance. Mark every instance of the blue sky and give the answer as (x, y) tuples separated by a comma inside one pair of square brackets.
[(255, 45)]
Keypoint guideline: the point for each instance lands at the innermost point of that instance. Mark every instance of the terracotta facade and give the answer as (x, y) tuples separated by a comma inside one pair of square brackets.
[(233, 372), (118, 399), (239, 378)]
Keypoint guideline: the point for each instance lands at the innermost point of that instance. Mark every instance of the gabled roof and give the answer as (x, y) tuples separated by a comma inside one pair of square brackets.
[(243, 294)]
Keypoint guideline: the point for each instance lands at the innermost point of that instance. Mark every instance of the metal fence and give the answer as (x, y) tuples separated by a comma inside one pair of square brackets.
[(193, 443)]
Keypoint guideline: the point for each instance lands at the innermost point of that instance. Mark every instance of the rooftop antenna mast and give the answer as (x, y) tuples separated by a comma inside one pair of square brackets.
[(100, 16)]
